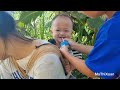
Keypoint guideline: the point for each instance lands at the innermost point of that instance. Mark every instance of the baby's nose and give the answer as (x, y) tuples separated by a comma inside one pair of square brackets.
[(62, 33)]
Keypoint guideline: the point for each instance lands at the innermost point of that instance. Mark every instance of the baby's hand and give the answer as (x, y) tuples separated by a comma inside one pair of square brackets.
[(71, 42)]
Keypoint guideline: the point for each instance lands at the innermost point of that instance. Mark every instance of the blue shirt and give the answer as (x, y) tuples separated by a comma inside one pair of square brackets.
[(104, 59)]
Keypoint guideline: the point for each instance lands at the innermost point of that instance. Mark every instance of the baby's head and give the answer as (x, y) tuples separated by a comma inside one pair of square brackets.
[(61, 27)]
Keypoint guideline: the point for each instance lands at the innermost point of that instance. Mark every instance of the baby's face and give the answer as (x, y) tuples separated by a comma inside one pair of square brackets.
[(61, 28)]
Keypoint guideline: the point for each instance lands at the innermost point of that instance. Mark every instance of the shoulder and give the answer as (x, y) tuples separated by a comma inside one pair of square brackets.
[(39, 42), (114, 30)]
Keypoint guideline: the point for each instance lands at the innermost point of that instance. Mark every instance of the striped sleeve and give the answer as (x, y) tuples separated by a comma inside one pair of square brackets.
[(77, 54)]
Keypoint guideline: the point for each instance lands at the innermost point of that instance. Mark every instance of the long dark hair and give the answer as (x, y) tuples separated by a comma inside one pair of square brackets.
[(8, 27)]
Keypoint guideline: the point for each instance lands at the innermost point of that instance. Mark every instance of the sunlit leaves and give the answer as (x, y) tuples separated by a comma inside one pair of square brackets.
[(28, 16), (21, 24)]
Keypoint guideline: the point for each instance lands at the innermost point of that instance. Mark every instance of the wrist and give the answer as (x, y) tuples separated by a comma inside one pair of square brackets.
[(74, 46)]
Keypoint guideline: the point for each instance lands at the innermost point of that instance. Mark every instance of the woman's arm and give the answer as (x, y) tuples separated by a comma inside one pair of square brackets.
[(79, 64), (83, 48), (79, 47)]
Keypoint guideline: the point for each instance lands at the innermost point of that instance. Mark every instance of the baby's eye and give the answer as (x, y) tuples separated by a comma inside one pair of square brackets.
[(66, 30), (57, 30)]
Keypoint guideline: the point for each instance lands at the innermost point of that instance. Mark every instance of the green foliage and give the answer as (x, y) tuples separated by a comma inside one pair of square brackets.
[(94, 23), (34, 23), (79, 75), (28, 16), (21, 24)]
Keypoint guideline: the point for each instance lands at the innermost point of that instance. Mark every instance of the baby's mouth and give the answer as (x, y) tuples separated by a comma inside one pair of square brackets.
[(62, 37)]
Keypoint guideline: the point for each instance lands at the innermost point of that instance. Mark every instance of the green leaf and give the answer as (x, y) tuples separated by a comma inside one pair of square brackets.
[(28, 16), (48, 24), (20, 24), (94, 23)]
